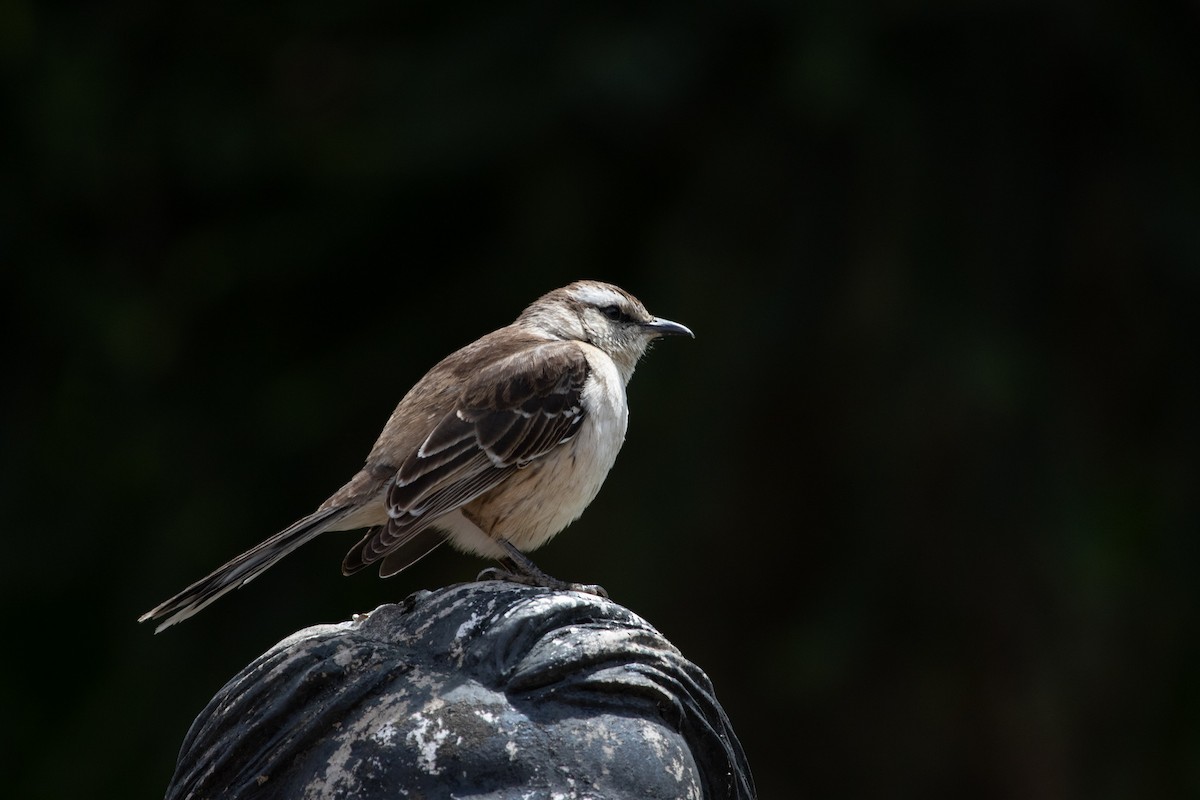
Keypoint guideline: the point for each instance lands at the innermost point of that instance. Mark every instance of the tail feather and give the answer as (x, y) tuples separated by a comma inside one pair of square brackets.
[(244, 568)]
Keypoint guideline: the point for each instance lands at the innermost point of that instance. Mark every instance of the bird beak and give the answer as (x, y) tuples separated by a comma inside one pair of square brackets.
[(664, 327)]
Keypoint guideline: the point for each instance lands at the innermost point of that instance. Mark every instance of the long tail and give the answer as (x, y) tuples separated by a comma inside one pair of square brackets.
[(243, 569)]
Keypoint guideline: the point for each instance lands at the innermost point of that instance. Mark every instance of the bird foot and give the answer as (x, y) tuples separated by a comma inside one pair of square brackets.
[(517, 567), (540, 579)]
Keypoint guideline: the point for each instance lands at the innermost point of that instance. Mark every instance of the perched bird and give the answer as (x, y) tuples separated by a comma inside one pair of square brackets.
[(498, 448)]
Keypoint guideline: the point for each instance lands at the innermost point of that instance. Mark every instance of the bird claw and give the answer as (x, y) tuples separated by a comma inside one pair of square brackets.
[(541, 579)]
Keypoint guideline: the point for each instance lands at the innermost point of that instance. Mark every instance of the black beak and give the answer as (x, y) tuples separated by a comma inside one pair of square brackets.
[(664, 327)]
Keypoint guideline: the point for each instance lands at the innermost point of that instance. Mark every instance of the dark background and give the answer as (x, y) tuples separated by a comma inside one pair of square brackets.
[(921, 497)]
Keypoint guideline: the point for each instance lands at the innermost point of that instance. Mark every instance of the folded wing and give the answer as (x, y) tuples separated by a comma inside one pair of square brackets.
[(507, 416)]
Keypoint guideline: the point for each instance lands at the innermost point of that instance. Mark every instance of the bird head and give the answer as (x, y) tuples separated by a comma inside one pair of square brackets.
[(602, 315)]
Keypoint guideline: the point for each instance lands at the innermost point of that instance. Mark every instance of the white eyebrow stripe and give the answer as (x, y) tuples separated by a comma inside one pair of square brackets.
[(598, 296)]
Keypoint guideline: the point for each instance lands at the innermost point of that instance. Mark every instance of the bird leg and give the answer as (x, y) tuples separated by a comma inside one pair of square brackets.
[(517, 567)]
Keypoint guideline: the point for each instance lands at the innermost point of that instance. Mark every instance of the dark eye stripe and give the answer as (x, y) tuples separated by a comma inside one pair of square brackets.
[(615, 314)]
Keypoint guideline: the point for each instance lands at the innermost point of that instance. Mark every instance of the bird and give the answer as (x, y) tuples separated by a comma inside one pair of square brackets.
[(497, 449)]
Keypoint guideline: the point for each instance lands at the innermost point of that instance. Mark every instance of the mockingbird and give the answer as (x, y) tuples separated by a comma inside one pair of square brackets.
[(498, 448)]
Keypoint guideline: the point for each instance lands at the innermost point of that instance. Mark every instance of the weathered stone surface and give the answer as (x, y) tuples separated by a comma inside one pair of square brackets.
[(481, 690)]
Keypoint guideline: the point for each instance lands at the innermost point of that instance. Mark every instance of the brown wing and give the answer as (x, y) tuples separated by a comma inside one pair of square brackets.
[(506, 416)]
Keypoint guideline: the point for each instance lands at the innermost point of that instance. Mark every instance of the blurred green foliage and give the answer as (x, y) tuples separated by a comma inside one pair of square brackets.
[(921, 498)]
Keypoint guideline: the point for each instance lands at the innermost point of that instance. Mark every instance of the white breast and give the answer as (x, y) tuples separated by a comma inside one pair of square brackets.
[(537, 502), (595, 448)]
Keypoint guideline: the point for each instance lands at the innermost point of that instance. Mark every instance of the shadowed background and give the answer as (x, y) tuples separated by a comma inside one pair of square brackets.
[(921, 497)]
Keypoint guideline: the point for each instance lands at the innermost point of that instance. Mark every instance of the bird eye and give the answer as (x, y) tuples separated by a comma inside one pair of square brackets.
[(615, 313)]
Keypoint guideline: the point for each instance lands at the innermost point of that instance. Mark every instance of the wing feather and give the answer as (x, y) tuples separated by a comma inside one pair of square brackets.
[(507, 416)]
